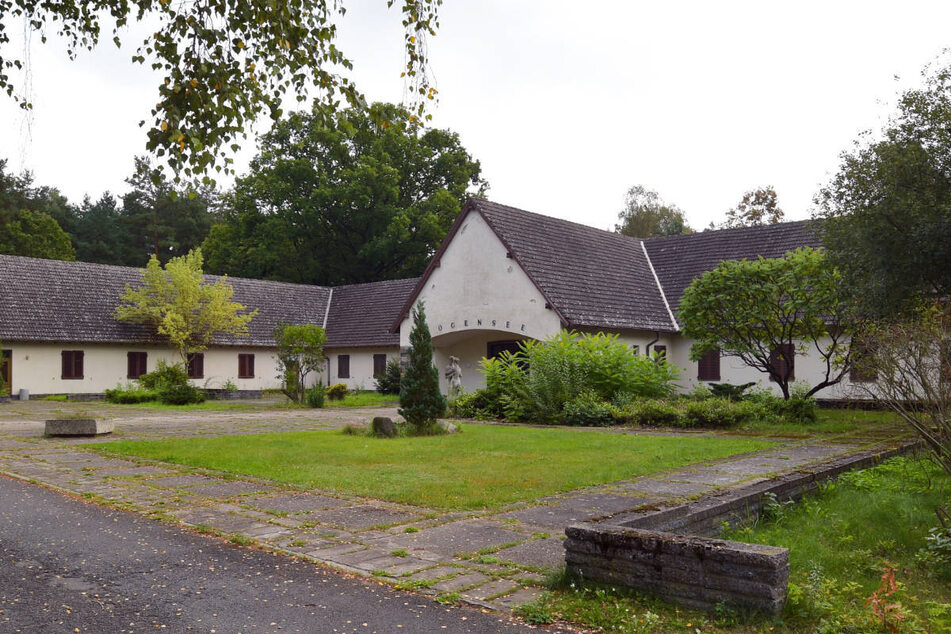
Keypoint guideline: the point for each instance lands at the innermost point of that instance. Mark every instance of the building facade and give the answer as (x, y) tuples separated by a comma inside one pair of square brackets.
[(501, 276)]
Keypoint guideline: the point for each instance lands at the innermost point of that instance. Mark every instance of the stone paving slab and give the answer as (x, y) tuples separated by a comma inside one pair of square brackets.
[(667, 488), (361, 516), (297, 503), (538, 553), (132, 470), (709, 476), (229, 489), (461, 581), (468, 536), (520, 597), (491, 589), (181, 481)]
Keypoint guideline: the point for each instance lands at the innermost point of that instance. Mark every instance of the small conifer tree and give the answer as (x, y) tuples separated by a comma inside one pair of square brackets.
[(421, 402)]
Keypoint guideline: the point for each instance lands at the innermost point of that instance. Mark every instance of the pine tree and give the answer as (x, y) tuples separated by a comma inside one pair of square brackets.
[(421, 402)]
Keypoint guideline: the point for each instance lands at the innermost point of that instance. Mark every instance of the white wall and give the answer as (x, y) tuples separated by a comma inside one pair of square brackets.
[(38, 367), (361, 366)]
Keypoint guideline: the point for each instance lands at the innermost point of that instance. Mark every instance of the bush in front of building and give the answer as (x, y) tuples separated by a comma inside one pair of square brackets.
[(337, 392), (389, 381), (588, 410), (471, 405), (538, 382), (170, 383), (130, 393), (316, 396)]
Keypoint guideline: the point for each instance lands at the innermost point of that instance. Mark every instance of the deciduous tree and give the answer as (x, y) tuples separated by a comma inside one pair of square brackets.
[(758, 310), (886, 215), (757, 207), (222, 63), (182, 306), (645, 215), (35, 234), (368, 197)]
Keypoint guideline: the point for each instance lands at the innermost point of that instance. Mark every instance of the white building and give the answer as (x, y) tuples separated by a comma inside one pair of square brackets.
[(501, 275)]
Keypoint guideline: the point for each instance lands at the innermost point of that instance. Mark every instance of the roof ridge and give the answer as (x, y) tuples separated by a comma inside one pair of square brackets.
[(709, 232), (615, 234), (663, 295)]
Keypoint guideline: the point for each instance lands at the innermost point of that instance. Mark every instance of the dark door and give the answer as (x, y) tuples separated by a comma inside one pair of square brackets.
[(6, 371), (495, 348)]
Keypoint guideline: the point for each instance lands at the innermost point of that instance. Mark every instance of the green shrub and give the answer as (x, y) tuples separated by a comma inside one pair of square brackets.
[(229, 386), (539, 381), (799, 408), (588, 410), (389, 381), (717, 413), (170, 383), (337, 392), (653, 413), (732, 392), (185, 394), (316, 395), (164, 374), (130, 393), (470, 405)]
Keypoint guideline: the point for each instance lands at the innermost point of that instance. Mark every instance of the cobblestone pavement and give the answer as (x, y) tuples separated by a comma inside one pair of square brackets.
[(496, 559)]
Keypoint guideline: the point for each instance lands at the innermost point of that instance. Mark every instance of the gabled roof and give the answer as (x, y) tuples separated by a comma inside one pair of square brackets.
[(360, 314), (52, 300), (678, 260), (593, 278)]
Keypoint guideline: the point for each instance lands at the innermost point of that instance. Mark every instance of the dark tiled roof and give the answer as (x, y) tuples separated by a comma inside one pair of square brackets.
[(51, 300), (593, 278), (361, 314), (678, 260)]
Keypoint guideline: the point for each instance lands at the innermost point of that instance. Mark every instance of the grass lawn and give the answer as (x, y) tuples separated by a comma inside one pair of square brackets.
[(841, 542), (485, 466), (366, 399), (833, 421)]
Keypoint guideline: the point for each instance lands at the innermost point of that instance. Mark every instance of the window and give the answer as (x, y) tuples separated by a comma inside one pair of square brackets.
[(708, 367), (379, 365), (6, 371), (782, 362), (636, 350), (495, 349), (196, 365), (245, 366), (137, 364), (343, 366), (72, 364), (660, 352), (863, 363)]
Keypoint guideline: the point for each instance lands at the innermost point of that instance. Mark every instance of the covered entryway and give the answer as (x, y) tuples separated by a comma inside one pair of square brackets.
[(471, 346)]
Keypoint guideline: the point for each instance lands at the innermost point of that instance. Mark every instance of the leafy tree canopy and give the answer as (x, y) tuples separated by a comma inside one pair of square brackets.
[(368, 197), (645, 215), (758, 207), (222, 63), (886, 215), (35, 234), (750, 309), (182, 306)]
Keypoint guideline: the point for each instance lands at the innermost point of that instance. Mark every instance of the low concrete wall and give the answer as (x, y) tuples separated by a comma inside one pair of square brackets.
[(697, 572)]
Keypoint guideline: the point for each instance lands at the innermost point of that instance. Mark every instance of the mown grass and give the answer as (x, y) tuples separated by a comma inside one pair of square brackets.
[(833, 421), (841, 542), (365, 399), (482, 467)]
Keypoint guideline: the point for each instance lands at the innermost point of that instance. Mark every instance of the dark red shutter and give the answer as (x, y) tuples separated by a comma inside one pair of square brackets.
[(379, 365), (137, 364), (245, 366), (708, 367), (196, 365), (343, 366)]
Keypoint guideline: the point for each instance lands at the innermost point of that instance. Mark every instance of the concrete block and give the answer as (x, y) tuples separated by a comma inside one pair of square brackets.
[(79, 427)]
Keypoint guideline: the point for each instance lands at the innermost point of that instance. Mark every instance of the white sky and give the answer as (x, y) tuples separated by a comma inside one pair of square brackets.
[(566, 104)]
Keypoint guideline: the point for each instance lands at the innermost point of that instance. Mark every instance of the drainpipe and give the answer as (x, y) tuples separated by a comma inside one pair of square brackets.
[(647, 348)]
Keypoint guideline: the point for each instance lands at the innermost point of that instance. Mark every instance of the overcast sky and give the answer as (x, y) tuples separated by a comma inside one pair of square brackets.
[(566, 104)]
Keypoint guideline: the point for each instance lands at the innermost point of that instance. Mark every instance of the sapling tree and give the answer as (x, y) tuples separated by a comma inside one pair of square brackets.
[(421, 402), (300, 352), (762, 311)]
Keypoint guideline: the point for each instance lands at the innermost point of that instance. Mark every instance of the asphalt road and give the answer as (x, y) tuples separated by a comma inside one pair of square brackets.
[(69, 566)]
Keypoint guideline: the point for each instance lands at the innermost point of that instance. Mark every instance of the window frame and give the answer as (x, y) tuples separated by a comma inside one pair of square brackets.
[(246, 365), (381, 370), (195, 365), (73, 365), (132, 367), (708, 366), (343, 366)]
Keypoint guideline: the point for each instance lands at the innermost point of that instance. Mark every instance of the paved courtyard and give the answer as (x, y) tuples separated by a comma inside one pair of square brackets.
[(496, 559)]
